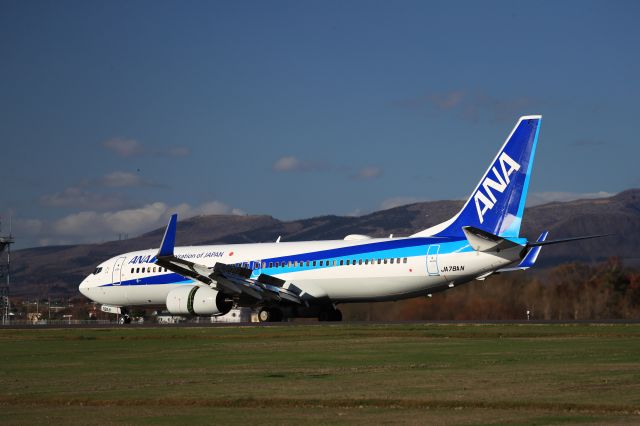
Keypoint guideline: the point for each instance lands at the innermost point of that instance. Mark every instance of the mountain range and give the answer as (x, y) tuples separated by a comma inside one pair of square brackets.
[(56, 271)]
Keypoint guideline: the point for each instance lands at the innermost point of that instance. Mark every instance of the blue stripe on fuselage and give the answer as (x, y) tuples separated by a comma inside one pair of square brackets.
[(172, 278), (384, 250), (400, 248)]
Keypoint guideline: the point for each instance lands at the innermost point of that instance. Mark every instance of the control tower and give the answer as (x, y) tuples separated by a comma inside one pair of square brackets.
[(5, 276)]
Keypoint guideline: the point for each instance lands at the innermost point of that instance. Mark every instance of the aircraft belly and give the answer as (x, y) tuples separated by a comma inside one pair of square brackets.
[(149, 294), (462, 267), (371, 288)]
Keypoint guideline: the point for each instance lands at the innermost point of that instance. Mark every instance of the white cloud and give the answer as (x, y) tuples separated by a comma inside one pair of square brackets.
[(291, 163), (368, 173), (214, 207), (390, 203), (287, 164), (123, 147), (119, 179), (538, 198), (95, 226), (78, 198), (356, 213)]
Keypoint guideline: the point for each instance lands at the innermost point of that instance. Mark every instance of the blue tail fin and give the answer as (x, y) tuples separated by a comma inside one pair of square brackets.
[(497, 203)]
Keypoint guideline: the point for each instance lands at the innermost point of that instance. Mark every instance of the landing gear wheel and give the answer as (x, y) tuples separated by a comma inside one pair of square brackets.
[(125, 319), (265, 315), (270, 315)]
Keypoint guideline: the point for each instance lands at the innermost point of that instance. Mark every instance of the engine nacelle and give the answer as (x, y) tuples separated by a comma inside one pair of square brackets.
[(197, 300)]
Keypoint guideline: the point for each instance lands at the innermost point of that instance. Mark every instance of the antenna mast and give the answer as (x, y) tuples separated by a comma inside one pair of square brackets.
[(5, 275)]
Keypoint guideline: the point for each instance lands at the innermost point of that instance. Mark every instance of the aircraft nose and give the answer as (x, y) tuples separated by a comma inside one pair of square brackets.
[(84, 286)]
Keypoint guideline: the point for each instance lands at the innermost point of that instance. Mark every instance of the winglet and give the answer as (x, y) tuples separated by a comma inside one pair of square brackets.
[(169, 239), (532, 256)]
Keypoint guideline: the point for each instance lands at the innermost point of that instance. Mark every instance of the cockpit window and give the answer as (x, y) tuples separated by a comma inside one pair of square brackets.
[(97, 271)]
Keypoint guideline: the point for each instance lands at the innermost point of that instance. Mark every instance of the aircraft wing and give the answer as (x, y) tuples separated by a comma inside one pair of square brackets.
[(228, 279)]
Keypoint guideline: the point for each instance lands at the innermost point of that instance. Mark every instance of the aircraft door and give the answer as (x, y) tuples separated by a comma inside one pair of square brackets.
[(116, 274), (432, 260)]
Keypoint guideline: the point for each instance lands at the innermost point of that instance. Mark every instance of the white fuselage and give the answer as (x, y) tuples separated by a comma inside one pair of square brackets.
[(336, 271)]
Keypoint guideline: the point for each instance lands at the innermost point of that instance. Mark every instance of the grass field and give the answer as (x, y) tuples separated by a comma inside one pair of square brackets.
[(342, 374)]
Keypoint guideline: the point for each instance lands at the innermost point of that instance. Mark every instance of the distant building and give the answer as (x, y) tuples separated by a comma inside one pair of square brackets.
[(235, 315), (169, 319)]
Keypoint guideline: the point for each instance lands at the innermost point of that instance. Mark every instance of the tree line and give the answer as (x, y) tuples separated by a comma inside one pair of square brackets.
[(572, 291)]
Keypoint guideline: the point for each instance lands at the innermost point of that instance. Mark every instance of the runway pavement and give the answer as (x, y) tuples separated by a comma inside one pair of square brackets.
[(298, 323)]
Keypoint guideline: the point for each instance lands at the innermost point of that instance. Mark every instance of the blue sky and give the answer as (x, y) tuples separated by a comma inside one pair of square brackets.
[(115, 114)]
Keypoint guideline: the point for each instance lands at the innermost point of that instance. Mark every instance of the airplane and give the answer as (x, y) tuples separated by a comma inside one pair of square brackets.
[(283, 280)]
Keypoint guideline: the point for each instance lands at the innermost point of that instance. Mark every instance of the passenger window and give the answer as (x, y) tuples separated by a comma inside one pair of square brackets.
[(366, 261), (307, 263), (341, 262), (264, 264), (270, 264), (391, 260), (379, 261), (154, 269), (132, 269), (289, 263), (405, 260), (137, 270), (398, 260), (348, 261), (385, 261), (314, 263), (360, 262)]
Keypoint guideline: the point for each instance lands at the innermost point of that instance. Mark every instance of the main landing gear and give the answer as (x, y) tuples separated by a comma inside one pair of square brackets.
[(274, 314), (266, 314)]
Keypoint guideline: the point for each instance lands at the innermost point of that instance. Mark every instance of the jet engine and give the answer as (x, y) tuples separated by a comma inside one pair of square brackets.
[(197, 300)]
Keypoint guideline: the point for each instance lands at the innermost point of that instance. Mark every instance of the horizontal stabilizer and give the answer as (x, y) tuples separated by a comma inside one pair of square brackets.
[(530, 258), (565, 240)]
